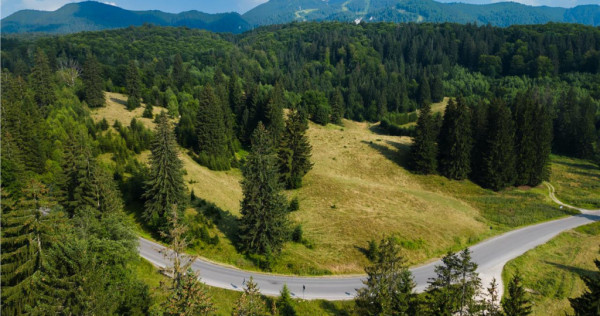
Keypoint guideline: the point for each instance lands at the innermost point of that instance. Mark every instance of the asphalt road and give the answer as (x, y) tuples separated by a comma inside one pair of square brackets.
[(491, 255)]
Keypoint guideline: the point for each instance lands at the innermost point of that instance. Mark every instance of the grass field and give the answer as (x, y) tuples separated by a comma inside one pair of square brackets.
[(225, 300), (551, 272), (359, 190), (577, 182), (115, 110)]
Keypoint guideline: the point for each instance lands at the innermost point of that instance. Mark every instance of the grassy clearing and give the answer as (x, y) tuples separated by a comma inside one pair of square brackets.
[(225, 300), (552, 271), (116, 110), (438, 107), (577, 182), (359, 190)]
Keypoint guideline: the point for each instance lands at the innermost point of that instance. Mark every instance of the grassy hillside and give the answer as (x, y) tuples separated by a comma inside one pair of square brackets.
[(359, 190), (551, 272), (577, 182)]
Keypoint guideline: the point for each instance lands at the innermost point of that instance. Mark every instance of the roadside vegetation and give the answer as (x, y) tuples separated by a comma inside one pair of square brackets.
[(551, 273)]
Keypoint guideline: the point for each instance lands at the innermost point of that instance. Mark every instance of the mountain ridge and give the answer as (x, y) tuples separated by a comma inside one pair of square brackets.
[(94, 16)]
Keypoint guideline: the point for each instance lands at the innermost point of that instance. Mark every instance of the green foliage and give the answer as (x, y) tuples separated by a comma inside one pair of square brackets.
[(294, 204), (164, 187), (498, 157), (455, 141), (213, 146), (92, 82), (517, 302), (251, 302), (423, 151), (264, 225), (285, 303), (389, 286), (294, 151), (134, 88), (41, 80)]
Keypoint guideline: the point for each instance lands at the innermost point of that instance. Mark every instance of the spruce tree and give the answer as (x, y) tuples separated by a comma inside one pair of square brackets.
[(41, 80), (424, 93), (264, 225), (543, 145), (29, 227), (213, 146), (337, 107), (525, 130), (165, 186), (455, 141), (133, 85), (250, 303), (516, 303), (284, 303), (178, 75), (148, 113), (389, 286), (423, 151), (274, 113), (589, 302), (187, 295), (294, 151), (498, 158), (93, 84)]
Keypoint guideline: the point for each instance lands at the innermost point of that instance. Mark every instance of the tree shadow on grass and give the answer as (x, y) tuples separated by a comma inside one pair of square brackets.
[(579, 271), (115, 100), (224, 220), (589, 166), (398, 154)]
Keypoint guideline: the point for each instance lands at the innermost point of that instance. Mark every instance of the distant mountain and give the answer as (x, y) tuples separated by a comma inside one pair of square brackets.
[(92, 16), (499, 14)]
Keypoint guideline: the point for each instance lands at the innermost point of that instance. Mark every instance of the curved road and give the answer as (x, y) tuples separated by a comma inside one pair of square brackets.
[(491, 255)]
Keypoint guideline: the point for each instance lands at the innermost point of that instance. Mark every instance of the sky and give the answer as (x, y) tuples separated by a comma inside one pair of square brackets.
[(7, 7)]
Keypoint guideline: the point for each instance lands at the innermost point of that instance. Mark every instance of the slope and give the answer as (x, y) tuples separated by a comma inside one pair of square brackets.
[(92, 16)]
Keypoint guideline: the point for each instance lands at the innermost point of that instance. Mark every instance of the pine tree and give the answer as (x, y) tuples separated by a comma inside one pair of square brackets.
[(29, 227), (516, 303), (294, 151), (491, 303), (498, 158), (264, 226), (524, 111), (443, 294), (424, 93), (187, 295), (274, 113), (165, 186), (284, 303), (589, 302), (134, 86), (423, 152), (148, 113), (250, 303), (337, 107), (92, 82), (178, 75), (543, 145), (213, 147), (455, 141), (389, 286), (469, 281), (41, 80)]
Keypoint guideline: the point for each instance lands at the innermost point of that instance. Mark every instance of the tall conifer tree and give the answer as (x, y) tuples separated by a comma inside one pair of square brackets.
[(92, 82), (213, 147), (264, 225), (337, 107), (41, 79), (134, 86), (498, 158), (294, 151), (165, 186), (455, 141), (423, 151), (274, 113)]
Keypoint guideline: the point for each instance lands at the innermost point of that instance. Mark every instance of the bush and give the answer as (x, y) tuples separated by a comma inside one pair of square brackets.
[(297, 234), (294, 204), (372, 250)]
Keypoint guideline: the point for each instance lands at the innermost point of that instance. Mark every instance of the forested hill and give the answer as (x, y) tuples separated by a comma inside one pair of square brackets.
[(498, 14), (93, 16)]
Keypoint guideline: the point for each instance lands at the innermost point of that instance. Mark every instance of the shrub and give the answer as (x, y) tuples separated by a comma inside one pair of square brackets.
[(294, 204)]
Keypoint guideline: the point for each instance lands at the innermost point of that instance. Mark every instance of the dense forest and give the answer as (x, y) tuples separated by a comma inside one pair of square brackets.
[(516, 95)]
